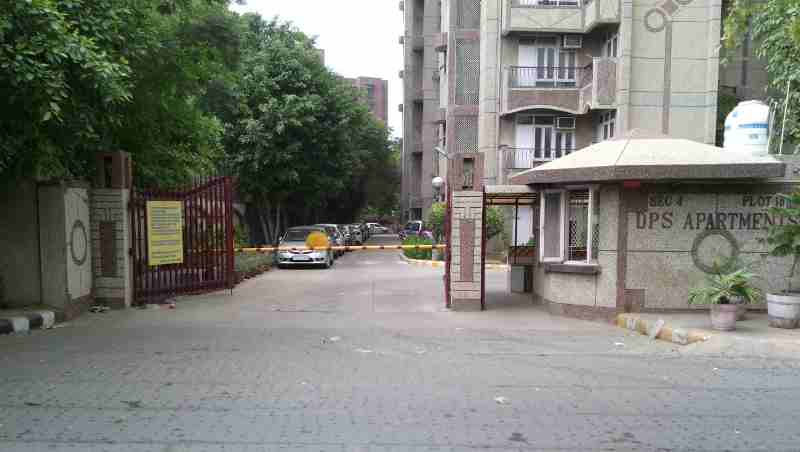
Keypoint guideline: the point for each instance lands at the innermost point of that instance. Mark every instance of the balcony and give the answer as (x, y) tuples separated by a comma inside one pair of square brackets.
[(558, 16), (569, 89), (523, 158), (549, 87)]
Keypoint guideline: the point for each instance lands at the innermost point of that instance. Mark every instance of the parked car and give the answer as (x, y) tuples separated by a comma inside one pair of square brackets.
[(356, 234), (296, 238), (412, 228), (336, 237), (380, 229)]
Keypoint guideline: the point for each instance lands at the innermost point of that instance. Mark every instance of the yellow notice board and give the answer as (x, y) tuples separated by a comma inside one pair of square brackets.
[(164, 232)]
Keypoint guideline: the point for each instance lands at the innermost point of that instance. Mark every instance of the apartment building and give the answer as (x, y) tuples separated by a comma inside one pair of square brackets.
[(421, 119), (376, 95), (528, 81)]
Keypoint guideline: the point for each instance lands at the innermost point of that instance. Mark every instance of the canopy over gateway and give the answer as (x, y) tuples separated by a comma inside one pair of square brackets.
[(510, 195), (642, 155)]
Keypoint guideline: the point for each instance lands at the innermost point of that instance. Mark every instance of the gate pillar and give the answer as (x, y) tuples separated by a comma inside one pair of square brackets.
[(466, 231), (110, 230)]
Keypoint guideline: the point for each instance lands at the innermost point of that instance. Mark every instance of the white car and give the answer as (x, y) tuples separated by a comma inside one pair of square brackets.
[(295, 240)]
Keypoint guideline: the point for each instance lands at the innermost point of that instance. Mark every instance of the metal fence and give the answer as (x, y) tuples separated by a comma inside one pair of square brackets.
[(208, 261)]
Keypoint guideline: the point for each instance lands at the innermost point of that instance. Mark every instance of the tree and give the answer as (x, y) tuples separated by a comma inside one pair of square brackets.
[(495, 221), (84, 76), (298, 138), (775, 26)]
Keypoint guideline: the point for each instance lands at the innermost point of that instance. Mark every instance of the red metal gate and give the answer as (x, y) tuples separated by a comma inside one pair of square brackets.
[(207, 242)]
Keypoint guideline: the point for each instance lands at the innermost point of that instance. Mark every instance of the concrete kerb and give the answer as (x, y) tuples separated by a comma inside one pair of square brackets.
[(25, 321), (658, 329), (440, 264)]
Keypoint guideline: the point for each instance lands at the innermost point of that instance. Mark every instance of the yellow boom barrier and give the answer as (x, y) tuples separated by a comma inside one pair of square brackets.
[(341, 248)]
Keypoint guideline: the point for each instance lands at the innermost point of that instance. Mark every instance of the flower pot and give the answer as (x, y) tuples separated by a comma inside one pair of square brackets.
[(723, 316), (741, 312), (783, 310)]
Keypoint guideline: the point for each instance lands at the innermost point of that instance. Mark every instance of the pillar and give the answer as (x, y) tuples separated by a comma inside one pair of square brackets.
[(465, 180), (110, 231)]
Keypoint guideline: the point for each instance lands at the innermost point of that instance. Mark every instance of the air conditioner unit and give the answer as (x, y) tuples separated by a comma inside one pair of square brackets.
[(400, 74), (572, 42), (565, 122), (400, 108), (401, 40), (402, 5), (435, 76)]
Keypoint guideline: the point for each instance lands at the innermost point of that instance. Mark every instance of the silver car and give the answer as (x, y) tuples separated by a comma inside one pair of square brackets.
[(295, 238), (336, 236)]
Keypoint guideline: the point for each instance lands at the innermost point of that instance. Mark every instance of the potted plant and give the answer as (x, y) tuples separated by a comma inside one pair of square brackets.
[(784, 241), (725, 292)]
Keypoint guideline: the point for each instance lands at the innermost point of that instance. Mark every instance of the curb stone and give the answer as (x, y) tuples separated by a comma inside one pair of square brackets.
[(28, 321), (440, 264), (657, 329)]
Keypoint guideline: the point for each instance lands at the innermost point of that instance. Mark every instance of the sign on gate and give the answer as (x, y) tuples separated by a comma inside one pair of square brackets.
[(164, 232)]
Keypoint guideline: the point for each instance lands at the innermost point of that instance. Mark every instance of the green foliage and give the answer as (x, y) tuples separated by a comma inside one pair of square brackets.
[(726, 102), (774, 26), (784, 239), (247, 263), (417, 254), (726, 288), (495, 221), (240, 237), (435, 220), (81, 76), (297, 135)]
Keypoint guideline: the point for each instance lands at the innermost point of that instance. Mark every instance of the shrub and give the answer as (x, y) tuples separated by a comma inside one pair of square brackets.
[(417, 254)]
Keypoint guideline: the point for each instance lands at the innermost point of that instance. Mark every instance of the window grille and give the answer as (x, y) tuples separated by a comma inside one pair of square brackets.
[(467, 72), (468, 14), (466, 134), (578, 227)]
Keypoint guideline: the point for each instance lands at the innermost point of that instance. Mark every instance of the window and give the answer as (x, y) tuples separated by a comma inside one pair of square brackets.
[(610, 44), (606, 128), (543, 138), (548, 2), (569, 223), (542, 63)]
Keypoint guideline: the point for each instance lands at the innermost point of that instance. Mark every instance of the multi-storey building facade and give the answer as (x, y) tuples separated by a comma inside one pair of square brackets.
[(421, 85), (528, 81), (376, 95)]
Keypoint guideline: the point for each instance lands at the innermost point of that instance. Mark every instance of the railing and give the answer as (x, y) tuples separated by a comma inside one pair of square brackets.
[(516, 158), (572, 3), (548, 76)]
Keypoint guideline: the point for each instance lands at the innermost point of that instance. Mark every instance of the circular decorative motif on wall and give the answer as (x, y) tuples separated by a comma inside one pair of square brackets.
[(653, 24), (710, 244), (78, 243)]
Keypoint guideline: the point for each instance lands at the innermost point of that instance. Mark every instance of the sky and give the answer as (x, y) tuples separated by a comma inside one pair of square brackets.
[(360, 38)]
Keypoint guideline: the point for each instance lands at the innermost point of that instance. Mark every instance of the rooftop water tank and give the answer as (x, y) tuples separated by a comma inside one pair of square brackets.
[(747, 128)]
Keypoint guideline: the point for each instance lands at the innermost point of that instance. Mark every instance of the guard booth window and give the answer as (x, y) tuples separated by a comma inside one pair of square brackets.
[(570, 226)]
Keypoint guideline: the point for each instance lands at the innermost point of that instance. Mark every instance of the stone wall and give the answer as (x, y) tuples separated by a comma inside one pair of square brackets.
[(676, 233), (466, 237), (19, 246)]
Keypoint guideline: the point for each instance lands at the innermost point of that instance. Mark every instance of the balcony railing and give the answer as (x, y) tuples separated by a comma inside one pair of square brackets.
[(520, 158), (549, 76)]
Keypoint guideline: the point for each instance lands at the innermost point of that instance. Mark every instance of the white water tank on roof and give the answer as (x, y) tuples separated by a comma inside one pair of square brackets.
[(747, 128)]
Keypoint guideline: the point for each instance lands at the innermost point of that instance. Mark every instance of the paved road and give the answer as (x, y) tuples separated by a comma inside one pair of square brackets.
[(363, 358)]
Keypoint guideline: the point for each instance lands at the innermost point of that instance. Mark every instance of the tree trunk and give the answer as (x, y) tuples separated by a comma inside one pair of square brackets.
[(278, 221), (264, 226)]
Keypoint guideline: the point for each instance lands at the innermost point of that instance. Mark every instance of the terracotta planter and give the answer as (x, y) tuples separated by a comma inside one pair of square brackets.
[(783, 310), (723, 316)]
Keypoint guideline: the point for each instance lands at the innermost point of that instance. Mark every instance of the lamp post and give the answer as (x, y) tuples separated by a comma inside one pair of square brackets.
[(437, 183)]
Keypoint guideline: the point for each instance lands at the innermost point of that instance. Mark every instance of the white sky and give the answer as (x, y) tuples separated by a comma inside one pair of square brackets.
[(359, 38)]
